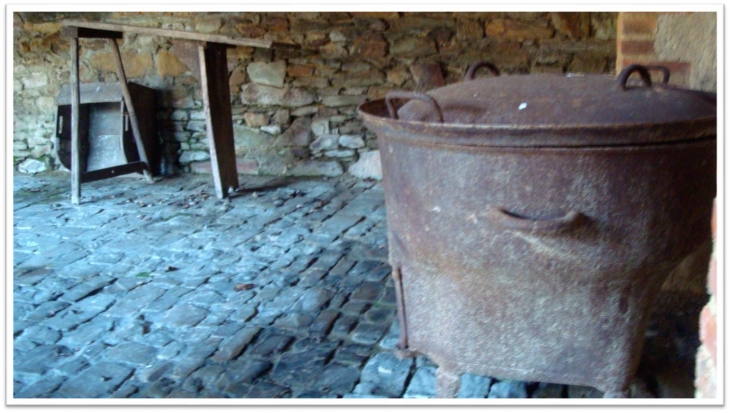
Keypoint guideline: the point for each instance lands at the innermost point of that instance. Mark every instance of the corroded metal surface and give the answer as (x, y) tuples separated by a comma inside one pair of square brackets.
[(548, 99), (539, 262), (375, 115)]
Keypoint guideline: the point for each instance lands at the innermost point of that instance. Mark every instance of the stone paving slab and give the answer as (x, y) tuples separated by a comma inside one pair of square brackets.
[(163, 291)]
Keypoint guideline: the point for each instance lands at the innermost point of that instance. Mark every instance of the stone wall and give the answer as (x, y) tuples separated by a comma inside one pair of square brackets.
[(293, 111)]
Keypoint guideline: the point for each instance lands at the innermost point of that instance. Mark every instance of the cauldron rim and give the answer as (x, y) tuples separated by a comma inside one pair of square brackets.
[(375, 116)]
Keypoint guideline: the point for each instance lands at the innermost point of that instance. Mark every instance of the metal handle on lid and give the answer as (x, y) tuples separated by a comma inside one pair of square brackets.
[(623, 77), (476, 66), (643, 71), (664, 70), (398, 94), (511, 221)]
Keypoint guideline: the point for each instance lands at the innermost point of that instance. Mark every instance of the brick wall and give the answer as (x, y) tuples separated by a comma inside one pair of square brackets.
[(293, 111), (683, 42), (686, 43), (706, 369)]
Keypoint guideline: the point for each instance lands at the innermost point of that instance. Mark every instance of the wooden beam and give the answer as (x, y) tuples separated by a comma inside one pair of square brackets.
[(111, 171), (75, 107), (213, 38), (91, 93), (82, 32), (218, 117), (130, 109)]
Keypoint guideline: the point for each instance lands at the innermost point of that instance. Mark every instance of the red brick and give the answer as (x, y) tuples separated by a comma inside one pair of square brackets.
[(635, 47), (714, 219), (637, 23), (712, 277), (706, 376), (708, 332)]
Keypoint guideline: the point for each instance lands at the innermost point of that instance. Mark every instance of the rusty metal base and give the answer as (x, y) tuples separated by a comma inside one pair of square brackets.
[(666, 371), (448, 380), (448, 384), (404, 353)]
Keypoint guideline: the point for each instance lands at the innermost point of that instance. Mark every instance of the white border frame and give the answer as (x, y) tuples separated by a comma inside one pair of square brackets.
[(372, 5)]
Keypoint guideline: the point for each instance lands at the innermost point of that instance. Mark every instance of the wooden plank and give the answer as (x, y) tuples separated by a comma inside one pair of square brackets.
[(213, 38), (112, 171), (187, 52), (105, 129), (130, 109), (144, 106), (92, 93), (75, 144), (218, 118)]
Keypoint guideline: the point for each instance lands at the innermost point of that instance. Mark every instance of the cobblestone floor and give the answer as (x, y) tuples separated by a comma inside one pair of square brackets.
[(164, 291)]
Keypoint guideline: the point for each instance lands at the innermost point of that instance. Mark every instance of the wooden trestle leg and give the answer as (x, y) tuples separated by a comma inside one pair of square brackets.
[(218, 118), (130, 109), (75, 111)]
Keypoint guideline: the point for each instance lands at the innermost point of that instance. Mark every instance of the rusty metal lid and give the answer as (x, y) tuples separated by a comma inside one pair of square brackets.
[(556, 100)]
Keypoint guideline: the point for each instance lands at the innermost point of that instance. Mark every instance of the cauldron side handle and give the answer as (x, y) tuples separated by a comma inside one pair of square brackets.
[(476, 66), (402, 94), (504, 219)]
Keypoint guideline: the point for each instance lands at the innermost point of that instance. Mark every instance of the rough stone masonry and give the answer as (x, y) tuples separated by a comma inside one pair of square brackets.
[(293, 111)]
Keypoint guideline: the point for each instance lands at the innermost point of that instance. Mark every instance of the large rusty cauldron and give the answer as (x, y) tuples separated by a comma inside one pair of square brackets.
[(532, 219)]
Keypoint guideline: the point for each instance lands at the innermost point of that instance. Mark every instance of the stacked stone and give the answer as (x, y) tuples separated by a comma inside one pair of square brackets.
[(293, 110)]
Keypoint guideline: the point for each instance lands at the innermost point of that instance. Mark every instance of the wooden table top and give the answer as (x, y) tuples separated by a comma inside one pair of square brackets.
[(213, 38)]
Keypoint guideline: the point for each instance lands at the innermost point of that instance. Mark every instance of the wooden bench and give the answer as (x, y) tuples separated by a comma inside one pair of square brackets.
[(215, 90)]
